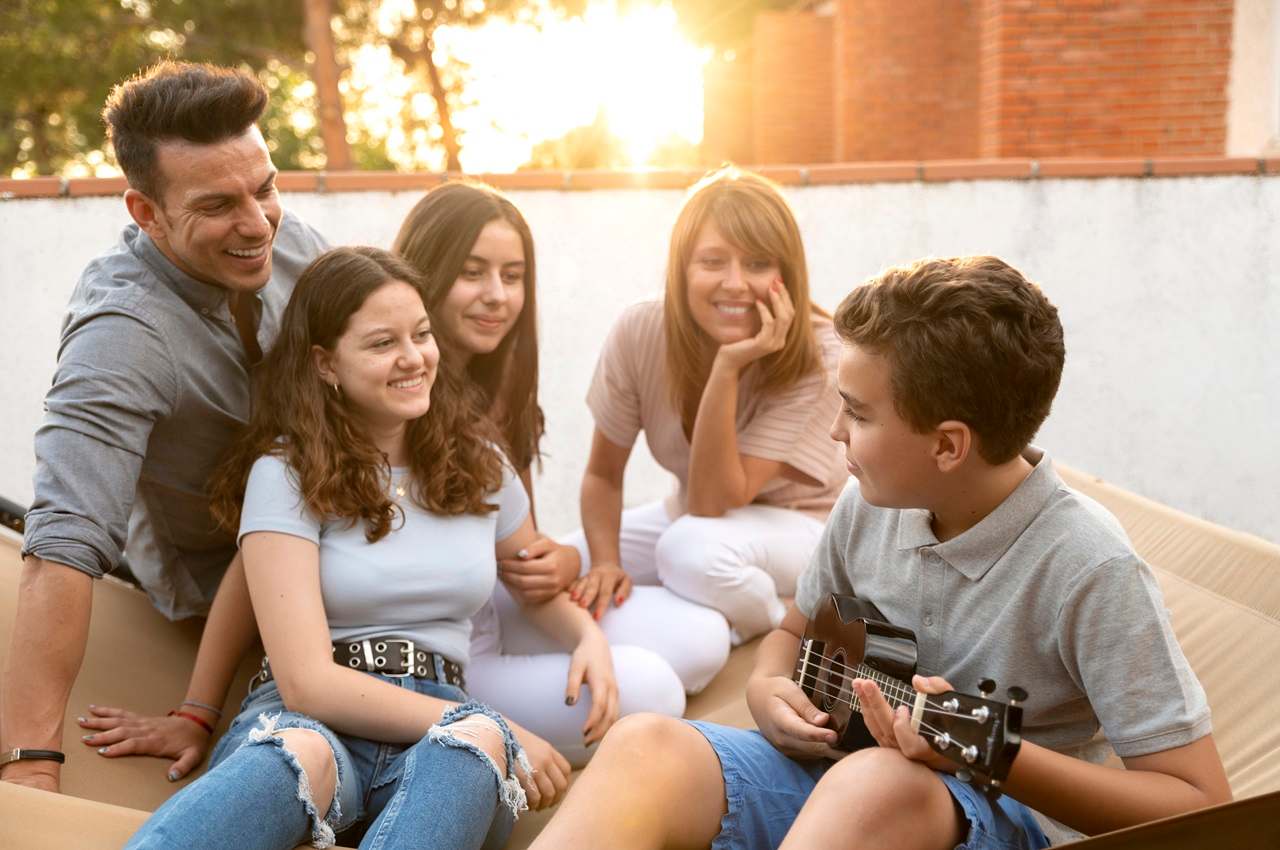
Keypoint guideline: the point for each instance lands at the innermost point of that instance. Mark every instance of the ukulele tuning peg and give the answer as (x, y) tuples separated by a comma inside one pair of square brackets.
[(986, 686), (1016, 695)]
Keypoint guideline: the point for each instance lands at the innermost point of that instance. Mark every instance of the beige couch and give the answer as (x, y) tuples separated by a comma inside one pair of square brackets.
[(1223, 588)]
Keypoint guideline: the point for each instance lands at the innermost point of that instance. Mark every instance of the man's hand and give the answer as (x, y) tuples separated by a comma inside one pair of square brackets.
[(540, 570), (788, 720), (123, 733), (892, 729), (603, 583)]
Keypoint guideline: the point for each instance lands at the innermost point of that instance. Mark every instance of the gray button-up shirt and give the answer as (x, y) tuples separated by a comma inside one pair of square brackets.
[(151, 386)]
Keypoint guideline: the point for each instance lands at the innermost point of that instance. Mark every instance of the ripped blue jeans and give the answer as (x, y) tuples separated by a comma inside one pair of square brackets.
[(442, 792)]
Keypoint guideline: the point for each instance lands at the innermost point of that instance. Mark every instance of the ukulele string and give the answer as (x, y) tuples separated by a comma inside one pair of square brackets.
[(891, 689), (856, 705)]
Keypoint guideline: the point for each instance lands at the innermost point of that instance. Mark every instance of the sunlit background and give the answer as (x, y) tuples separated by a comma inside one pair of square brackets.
[(618, 85)]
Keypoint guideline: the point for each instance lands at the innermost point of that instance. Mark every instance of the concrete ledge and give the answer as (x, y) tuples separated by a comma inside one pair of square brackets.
[(818, 174)]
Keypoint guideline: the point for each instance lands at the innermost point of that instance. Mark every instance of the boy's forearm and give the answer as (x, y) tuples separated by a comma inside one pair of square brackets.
[(1094, 798), (46, 649), (777, 654)]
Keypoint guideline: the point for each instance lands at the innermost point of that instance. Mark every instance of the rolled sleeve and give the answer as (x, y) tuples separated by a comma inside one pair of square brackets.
[(113, 382)]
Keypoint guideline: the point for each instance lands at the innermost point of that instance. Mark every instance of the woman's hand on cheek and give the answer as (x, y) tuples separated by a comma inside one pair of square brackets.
[(776, 317)]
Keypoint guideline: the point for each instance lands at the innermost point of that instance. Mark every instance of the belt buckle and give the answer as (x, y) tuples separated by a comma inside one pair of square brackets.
[(407, 650)]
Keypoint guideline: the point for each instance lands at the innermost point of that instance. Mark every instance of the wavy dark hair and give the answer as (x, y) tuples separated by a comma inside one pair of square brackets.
[(454, 465), (436, 238), (200, 103)]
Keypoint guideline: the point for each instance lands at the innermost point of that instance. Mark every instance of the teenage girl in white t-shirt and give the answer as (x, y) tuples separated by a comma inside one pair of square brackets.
[(375, 506)]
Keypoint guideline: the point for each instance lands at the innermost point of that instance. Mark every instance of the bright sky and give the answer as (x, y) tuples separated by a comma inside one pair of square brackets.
[(528, 84)]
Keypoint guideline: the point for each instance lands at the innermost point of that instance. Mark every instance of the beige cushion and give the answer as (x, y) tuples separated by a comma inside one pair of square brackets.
[(1223, 589)]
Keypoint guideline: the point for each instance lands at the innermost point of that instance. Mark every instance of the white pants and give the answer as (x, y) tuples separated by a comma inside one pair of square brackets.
[(522, 672), (739, 564)]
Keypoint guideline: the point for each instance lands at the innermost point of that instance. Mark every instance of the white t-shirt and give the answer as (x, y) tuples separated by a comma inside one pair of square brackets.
[(423, 581)]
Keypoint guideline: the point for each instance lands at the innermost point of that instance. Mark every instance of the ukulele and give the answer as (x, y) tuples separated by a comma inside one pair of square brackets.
[(849, 639)]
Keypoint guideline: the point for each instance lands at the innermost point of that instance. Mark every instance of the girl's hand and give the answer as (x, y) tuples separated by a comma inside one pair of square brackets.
[(540, 570), (123, 733), (892, 728), (550, 777), (775, 321), (603, 583), (592, 662)]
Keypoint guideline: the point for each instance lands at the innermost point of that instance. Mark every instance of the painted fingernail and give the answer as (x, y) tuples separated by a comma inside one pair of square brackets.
[(173, 776), (617, 600), (81, 720), (86, 738), (522, 554), (91, 705), (102, 751), (569, 700)]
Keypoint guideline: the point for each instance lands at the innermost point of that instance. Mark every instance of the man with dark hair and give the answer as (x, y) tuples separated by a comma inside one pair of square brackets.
[(151, 384)]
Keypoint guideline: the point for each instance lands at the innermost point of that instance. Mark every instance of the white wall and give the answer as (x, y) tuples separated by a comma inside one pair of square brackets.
[(1169, 290)]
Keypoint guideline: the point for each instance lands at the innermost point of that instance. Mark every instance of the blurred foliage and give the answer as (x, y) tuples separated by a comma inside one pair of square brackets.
[(595, 145)]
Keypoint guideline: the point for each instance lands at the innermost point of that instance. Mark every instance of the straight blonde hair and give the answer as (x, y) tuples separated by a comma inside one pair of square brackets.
[(753, 216)]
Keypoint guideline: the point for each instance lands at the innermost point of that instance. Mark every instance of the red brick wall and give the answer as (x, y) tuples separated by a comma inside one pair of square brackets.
[(726, 113), (1104, 77), (793, 115), (906, 79)]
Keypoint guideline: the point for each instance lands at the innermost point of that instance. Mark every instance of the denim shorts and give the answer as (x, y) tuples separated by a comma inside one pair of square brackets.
[(367, 771), (766, 790)]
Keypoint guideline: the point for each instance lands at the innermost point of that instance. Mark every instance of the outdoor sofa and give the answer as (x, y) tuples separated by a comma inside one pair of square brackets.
[(1222, 587)]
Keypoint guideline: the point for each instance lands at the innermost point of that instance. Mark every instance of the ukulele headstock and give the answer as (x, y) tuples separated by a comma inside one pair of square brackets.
[(980, 734)]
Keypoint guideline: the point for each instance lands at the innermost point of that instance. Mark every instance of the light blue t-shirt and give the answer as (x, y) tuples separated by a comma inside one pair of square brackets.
[(423, 581)]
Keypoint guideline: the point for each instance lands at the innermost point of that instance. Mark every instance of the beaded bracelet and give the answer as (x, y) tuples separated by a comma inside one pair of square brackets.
[(196, 720)]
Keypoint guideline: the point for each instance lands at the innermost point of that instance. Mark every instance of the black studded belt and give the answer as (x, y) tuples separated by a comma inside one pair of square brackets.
[(388, 656)]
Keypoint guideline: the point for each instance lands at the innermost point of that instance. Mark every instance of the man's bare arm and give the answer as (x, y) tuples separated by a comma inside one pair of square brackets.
[(50, 631)]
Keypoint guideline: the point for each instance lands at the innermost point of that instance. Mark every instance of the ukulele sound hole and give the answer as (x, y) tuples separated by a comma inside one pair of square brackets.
[(834, 686)]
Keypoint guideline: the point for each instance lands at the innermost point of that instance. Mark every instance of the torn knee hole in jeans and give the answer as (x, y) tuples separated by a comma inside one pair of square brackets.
[(482, 731), (322, 834)]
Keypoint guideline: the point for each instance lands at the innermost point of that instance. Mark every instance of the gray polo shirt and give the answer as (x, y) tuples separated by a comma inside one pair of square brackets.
[(151, 386), (1045, 593)]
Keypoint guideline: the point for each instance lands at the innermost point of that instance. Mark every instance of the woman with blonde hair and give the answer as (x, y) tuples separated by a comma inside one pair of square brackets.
[(738, 412)]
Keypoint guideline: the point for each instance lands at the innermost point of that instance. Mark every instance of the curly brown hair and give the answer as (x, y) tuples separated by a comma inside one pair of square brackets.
[(454, 463), (967, 338)]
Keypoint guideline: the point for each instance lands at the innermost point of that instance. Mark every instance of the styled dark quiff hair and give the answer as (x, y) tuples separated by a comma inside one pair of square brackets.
[(453, 464), (205, 104), (968, 339), (436, 238)]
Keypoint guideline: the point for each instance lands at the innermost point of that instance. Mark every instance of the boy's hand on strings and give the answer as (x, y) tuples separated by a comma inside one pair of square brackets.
[(788, 720), (124, 733), (540, 570), (892, 728)]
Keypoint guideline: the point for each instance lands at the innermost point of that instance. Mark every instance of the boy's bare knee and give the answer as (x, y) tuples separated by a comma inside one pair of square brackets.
[(883, 779), (484, 732)]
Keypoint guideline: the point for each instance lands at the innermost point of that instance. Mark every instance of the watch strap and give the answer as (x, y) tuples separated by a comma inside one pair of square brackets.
[(19, 754)]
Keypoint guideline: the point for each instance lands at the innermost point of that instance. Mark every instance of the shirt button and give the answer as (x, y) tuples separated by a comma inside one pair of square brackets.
[(928, 620), (204, 311)]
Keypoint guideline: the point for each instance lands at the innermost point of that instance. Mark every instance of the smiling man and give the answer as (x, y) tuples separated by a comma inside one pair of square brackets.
[(152, 383)]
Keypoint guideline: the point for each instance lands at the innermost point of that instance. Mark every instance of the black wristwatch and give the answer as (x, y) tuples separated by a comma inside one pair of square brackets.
[(19, 754)]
